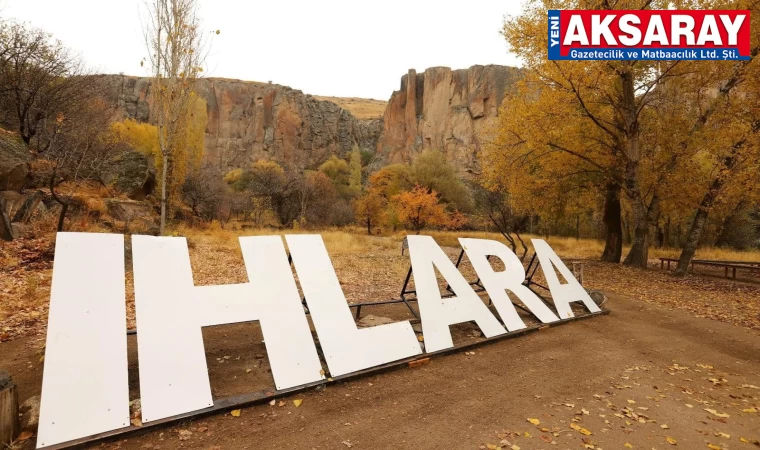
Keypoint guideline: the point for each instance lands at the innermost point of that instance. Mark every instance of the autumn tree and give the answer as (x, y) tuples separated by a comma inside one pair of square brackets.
[(369, 209), (497, 205), (430, 169), (79, 149), (598, 124), (40, 80), (206, 193), (176, 50), (419, 208), (355, 172)]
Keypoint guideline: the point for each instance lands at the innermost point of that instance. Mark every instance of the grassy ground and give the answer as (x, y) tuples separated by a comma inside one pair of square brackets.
[(372, 268)]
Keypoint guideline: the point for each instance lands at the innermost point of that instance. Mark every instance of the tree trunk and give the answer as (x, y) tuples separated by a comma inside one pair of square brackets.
[(700, 218), (6, 229), (613, 248), (369, 227), (9, 424), (577, 227), (163, 194), (62, 216), (666, 237)]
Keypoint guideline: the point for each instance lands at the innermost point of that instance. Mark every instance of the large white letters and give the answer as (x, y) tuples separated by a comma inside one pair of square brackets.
[(84, 386), (347, 349), (86, 356), (562, 294), (438, 313), (171, 311), (511, 279)]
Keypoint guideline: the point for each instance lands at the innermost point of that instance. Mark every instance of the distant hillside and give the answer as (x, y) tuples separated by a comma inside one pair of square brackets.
[(361, 108)]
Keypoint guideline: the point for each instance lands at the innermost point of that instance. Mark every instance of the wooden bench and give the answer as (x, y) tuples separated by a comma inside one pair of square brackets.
[(733, 266)]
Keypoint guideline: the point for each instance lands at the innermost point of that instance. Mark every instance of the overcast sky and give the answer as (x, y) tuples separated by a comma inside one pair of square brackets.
[(346, 48)]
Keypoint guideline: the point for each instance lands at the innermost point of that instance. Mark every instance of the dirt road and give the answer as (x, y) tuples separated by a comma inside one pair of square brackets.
[(642, 376)]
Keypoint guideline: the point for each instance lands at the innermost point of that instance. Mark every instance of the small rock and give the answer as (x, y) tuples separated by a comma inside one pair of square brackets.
[(30, 414), (371, 321)]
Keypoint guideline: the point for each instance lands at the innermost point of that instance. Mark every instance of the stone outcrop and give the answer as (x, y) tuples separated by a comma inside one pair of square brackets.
[(248, 121), (441, 109), (446, 110), (14, 162)]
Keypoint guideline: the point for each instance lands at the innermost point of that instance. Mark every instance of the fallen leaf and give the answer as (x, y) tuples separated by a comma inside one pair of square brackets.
[(627, 445), (723, 435), (750, 410), (235, 413), (580, 429), (527, 434), (24, 436), (671, 441), (491, 447), (281, 404), (714, 447), (716, 413), (273, 402), (664, 426), (297, 402), (534, 421), (347, 444)]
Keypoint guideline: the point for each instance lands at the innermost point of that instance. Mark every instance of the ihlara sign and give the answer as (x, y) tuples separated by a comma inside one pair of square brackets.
[(85, 386)]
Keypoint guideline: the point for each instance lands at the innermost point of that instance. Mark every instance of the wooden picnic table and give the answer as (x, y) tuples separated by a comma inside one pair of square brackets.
[(751, 266)]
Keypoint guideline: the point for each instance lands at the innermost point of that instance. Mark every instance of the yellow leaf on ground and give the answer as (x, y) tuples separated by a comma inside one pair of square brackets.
[(671, 441), (527, 434), (716, 413), (714, 447), (745, 440), (723, 435), (297, 402), (580, 429), (491, 447), (627, 445), (664, 426), (515, 447), (750, 410), (534, 421), (235, 413)]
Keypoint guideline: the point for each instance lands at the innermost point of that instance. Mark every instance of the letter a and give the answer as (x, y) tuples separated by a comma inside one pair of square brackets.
[(439, 313)]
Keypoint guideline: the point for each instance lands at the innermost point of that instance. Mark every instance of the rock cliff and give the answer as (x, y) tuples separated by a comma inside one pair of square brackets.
[(248, 121), (442, 109), (446, 110)]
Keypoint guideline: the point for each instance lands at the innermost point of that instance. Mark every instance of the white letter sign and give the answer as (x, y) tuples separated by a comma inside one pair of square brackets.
[(562, 294), (438, 313), (85, 388), (510, 279), (347, 349), (84, 385)]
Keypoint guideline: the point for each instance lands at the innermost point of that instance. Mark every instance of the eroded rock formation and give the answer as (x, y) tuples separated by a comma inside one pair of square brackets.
[(248, 121), (443, 109)]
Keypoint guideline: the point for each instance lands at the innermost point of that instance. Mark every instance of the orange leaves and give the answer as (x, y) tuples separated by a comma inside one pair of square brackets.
[(419, 208)]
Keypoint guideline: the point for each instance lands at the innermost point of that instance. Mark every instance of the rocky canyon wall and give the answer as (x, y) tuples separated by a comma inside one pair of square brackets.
[(248, 121), (441, 109)]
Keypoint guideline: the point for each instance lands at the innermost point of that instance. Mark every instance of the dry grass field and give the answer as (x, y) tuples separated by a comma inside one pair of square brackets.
[(361, 108)]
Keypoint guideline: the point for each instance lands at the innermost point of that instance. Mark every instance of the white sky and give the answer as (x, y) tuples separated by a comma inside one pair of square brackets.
[(345, 48)]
